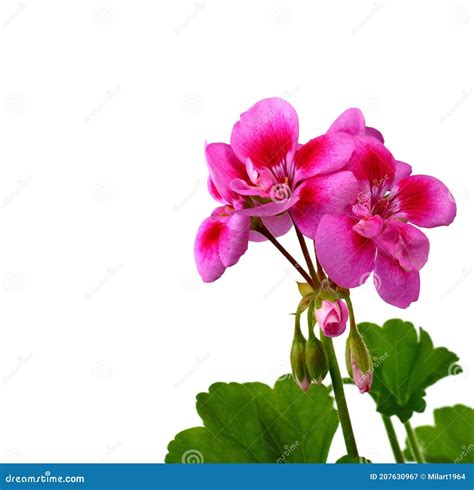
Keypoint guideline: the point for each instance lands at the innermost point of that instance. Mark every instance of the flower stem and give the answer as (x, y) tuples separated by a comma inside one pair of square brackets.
[(351, 315), (266, 233), (414, 445), (307, 256), (392, 437), (341, 403)]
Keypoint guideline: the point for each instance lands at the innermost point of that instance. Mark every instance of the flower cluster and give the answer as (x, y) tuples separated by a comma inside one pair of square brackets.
[(344, 190)]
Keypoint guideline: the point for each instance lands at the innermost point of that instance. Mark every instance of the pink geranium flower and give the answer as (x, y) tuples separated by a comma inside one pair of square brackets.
[(264, 173), (283, 176), (375, 234)]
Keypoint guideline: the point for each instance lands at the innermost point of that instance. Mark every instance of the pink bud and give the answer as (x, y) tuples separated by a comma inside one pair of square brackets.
[(332, 317), (362, 381), (304, 384)]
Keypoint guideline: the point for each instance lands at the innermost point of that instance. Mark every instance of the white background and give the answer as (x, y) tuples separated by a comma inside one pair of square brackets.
[(107, 333)]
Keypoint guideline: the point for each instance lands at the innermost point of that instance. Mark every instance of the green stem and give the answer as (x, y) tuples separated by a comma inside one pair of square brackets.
[(414, 446), (338, 388), (351, 314), (392, 437), (311, 320)]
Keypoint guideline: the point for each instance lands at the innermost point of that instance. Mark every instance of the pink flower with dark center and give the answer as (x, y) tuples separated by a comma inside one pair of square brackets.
[(264, 174), (283, 176), (375, 234)]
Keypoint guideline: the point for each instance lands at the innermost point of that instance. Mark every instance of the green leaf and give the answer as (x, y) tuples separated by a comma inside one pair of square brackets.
[(353, 460), (253, 423), (405, 364), (450, 440)]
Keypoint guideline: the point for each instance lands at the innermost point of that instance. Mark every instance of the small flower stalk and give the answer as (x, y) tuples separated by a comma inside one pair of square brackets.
[(359, 362)]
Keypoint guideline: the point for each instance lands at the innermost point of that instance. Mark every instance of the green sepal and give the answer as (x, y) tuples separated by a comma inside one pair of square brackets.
[(304, 288)]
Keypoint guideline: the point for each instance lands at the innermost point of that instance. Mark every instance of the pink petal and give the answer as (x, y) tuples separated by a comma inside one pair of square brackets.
[(347, 257), (270, 208), (404, 243), (320, 195), (206, 249), (224, 167), (324, 154), (214, 192), (267, 133), (350, 121), (255, 236), (278, 225), (234, 239), (220, 241), (373, 165), (369, 227), (374, 133), (402, 170), (361, 380), (395, 285), (425, 201), (241, 187)]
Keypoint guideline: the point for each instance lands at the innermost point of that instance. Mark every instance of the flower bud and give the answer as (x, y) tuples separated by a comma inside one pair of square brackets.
[(359, 362), (332, 317), (316, 360), (297, 358)]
